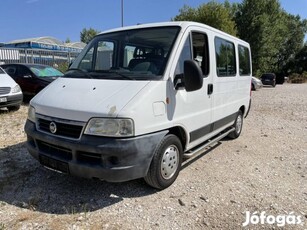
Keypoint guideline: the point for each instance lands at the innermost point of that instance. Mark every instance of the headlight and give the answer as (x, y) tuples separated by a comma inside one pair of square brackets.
[(31, 114), (16, 89), (110, 127)]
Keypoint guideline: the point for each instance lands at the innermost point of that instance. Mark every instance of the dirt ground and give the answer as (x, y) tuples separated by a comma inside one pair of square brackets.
[(264, 170)]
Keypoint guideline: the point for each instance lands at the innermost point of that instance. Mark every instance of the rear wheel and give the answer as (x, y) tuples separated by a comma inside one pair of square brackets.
[(237, 125), (166, 163)]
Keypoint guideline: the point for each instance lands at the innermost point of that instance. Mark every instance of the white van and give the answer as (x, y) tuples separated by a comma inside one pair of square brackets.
[(139, 99), (10, 93)]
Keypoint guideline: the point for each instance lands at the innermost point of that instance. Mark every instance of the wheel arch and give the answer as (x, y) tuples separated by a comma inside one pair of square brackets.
[(181, 133), (242, 109)]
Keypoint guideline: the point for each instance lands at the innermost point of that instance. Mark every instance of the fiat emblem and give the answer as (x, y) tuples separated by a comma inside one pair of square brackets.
[(52, 127)]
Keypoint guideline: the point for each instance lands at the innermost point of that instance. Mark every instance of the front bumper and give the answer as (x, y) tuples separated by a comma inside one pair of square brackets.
[(12, 100), (109, 159)]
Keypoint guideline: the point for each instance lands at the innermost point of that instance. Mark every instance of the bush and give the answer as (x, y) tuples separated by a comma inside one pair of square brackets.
[(298, 78)]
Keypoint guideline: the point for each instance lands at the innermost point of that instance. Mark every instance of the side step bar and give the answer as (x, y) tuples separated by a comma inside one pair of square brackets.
[(201, 148)]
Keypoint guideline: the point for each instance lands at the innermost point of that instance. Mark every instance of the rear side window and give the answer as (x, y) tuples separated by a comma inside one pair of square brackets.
[(225, 58), (244, 61)]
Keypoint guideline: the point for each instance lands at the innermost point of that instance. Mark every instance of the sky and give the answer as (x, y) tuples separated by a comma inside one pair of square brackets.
[(64, 19)]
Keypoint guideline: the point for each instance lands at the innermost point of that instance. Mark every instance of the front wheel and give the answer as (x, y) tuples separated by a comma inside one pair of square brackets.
[(166, 163), (237, 125)]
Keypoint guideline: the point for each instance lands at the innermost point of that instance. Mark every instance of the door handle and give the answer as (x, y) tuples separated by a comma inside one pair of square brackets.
[(210, 89)]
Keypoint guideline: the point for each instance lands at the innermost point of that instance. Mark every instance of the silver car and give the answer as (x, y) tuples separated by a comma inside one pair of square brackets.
[(256, 83), (10, 92)]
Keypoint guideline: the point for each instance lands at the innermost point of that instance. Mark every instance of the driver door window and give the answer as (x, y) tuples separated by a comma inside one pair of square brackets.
[(200, 53), (186, 54)]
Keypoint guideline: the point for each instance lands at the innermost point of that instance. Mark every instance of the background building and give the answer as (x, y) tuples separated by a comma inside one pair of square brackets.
[(41, 50)]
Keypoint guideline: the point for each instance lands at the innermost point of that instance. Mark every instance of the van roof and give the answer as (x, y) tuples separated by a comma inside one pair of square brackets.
[(182, 24)]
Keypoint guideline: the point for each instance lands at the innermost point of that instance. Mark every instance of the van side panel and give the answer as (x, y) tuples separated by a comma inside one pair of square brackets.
[(203, 115)]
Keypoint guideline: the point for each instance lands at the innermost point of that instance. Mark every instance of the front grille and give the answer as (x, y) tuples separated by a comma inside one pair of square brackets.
[(62, 129), (55, 151), (5, 90)]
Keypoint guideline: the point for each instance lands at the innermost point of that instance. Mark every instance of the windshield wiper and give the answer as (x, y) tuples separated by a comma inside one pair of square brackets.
[(113, 72), (81, 71)]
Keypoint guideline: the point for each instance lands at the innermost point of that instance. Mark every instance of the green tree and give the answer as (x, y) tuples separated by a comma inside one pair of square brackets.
[(217, 15), (87, 34), (67, 40), (293, 42), (260, 23), (298, 64), (275, 36)]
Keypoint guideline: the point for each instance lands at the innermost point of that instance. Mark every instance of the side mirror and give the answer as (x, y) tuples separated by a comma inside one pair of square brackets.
[(193, 77)]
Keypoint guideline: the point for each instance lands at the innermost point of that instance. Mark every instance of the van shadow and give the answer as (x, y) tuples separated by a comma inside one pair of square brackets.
[(26, 184)]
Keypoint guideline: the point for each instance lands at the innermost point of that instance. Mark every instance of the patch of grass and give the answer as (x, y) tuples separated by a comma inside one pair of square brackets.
[(2, 226)]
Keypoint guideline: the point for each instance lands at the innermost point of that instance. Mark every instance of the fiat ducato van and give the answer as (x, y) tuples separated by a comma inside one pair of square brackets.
[(139, 99)]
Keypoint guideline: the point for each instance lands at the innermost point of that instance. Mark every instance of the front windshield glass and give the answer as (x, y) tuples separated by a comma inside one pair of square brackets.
[(139, 54), (42, 71)]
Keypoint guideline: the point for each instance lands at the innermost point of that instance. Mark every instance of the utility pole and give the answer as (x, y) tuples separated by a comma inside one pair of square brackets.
[(122, 13)]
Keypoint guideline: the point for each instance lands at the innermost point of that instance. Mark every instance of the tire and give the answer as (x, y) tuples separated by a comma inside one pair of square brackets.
[(237, 125), (166, 163), (13, 108), (253, 87)]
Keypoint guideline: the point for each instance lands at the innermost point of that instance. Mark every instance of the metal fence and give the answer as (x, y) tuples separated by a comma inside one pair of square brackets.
[(46, 57)]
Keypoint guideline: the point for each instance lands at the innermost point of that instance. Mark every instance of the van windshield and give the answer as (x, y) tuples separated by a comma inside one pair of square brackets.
[(138, 54)]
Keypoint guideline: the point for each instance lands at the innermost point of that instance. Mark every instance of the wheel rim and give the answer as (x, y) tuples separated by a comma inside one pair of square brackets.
[(239, 124), (169, 162)]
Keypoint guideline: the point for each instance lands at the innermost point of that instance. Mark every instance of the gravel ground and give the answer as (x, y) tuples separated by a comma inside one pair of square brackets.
[(264, 169)]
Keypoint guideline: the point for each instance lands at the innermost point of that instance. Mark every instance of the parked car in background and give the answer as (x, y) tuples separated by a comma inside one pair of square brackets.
[(268, 79), (10, 92), (32, 78), (256, 83)]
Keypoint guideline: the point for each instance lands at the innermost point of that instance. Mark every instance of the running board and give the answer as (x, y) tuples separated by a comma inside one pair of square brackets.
[(200, 149)]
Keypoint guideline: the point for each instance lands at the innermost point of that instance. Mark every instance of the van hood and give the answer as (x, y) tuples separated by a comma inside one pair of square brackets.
[(82, 99)]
